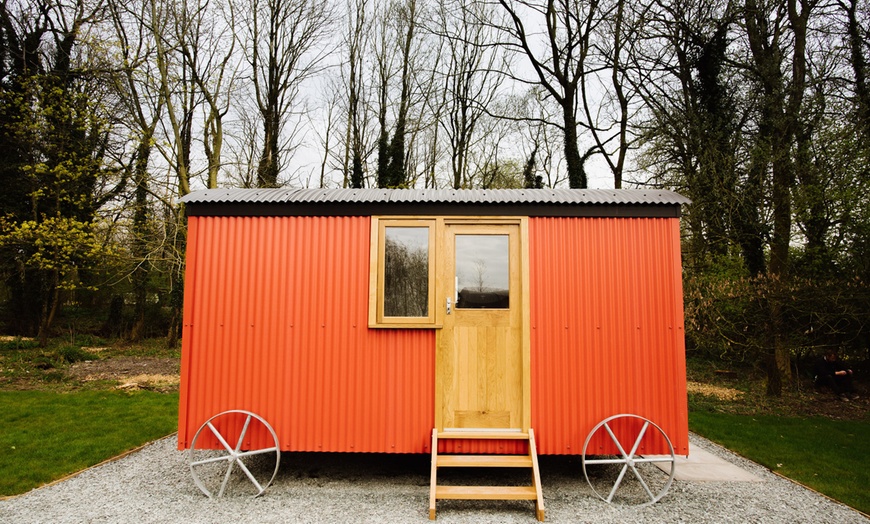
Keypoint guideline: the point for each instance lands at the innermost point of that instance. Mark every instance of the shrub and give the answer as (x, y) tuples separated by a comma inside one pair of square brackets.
[(73, 354), (728, 317), (18, 343)]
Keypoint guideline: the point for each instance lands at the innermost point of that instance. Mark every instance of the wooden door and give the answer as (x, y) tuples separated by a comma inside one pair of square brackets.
[(482, 367)]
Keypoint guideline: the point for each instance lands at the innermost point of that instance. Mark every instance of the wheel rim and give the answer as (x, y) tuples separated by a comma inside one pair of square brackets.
[(630, 460), (212, 470)]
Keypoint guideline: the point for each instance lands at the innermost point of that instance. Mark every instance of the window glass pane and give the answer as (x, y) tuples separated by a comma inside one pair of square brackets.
[(406, 271), (482, 271)]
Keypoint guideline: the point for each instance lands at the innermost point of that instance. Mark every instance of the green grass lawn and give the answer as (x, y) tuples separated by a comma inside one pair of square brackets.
[(46, 435), (827, 455)]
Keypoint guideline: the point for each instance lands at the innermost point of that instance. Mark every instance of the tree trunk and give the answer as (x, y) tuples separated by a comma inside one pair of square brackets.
[(49, 308), (576, 171), (176, 282), (267, 169), (140, 238), (859, 66)]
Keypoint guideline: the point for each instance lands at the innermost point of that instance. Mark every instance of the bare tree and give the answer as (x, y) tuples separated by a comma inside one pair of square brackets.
[(692, 117), (206, 44), (356, 42), (470, 76), (143, 101), (325, 128), (608, 114), (397, 35), (538, 114), (858, 38), (767, 26), (559, 59), (284, 46)]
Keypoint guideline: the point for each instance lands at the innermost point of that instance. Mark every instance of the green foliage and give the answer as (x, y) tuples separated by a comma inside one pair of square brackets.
[(73, 354), (49, 435), (46, 361), (827, 455), (18, 343), (502, 175), (57, 128), (726, 315), (62, 244)]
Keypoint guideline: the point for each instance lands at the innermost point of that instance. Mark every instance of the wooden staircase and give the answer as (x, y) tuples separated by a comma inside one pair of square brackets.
[(532, 492)]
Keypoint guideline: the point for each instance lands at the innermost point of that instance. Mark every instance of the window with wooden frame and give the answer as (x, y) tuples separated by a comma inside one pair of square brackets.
[(402, 273)]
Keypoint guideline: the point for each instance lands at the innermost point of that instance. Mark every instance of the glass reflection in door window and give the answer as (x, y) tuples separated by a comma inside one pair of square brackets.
[(406, 271), (482, 272)]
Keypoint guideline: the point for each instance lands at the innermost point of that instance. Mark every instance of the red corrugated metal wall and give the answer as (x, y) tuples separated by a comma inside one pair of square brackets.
[(276, 322), (607, 328)]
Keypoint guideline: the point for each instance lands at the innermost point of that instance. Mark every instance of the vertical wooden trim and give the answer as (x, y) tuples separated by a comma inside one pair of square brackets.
[(441, 318), (526, 325), (433, 261), (540, 511), (433, 480), (374, 269), (436, 271)]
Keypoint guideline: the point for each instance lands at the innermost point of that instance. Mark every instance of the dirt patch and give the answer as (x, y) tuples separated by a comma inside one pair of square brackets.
[(90, 349), (152, 382), (7, 338), (710, 390), (131, 372)]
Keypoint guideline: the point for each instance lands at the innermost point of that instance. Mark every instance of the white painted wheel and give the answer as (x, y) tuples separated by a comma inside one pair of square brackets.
[(237, 466), (652, 483)]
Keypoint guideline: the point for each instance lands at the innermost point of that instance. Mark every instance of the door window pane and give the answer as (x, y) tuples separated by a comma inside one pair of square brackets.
[(406, 271), (482, 271)]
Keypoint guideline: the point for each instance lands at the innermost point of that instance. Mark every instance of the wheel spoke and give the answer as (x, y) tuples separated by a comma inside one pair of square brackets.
[(643, 483), (606, 461), (257, 452), (615, 440), (242, 434), (211, 460), (651, 460), (617, 483), (639, 438), (226, 478), (250, 476), (219, 436)]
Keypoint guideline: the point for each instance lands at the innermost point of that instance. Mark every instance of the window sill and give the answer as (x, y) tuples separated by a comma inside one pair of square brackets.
[(389, 325)]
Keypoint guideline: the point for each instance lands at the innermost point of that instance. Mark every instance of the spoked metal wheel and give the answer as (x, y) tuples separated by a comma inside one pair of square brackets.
[(629, 435), (247, 447)]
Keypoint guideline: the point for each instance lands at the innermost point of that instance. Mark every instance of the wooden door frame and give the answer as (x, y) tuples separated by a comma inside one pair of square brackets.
[(525, 313)]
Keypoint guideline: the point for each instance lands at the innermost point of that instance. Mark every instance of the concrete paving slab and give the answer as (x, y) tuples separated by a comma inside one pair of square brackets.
[(703, 466)]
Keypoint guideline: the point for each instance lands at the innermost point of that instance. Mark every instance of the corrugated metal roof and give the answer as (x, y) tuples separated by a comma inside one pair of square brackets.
[(440, 196)]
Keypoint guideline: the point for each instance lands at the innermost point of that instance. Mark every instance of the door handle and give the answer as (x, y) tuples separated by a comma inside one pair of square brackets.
[(449, 305)]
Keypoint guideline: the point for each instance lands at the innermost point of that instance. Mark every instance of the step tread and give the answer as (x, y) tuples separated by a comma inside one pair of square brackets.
[(484, 435), (486, 492), (485, 461)]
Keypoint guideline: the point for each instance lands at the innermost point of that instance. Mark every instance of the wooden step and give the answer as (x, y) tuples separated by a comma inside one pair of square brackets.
[(484, 435), (486, 492), (530, 461), (484, 461)]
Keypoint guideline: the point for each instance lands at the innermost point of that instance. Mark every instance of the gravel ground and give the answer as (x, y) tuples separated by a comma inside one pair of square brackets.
[(154, 485)]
